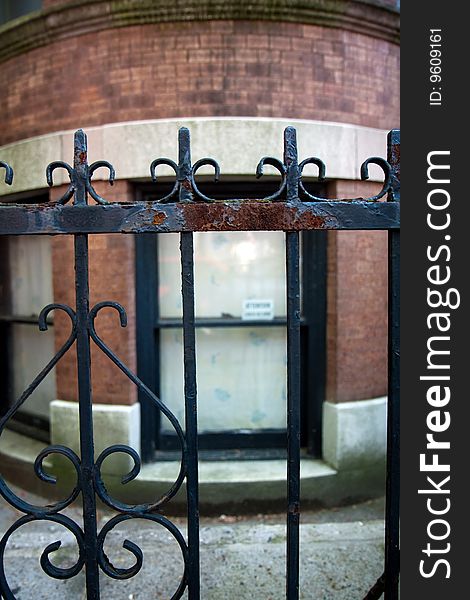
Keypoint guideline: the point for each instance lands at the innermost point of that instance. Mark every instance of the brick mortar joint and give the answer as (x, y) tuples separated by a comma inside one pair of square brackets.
[(369, 17)]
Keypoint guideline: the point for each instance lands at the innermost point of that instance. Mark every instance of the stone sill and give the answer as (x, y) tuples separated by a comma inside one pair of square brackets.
[(239, 486)]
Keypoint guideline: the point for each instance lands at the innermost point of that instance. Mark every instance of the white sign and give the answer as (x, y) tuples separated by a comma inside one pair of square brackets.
[(258, 309)]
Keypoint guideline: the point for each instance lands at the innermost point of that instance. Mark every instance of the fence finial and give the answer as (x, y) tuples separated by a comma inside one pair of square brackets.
[(81, 173), (393, 157), (184, 165), (291, 162), (8, 172)]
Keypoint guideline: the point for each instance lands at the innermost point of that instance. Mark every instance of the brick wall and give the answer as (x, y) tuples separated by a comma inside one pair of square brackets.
[(357, 307), (201, 69), (111, 278), (218, 68)]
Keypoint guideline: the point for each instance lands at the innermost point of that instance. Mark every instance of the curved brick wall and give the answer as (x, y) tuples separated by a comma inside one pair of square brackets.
[(220, 68), (195, 69)]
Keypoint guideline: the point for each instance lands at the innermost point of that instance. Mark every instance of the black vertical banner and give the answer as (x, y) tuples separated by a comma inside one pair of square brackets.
[(435, 268)]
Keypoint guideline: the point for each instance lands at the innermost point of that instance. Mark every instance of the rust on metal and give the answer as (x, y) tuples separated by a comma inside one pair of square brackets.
[(294, 508), (159, 218), (258, 216), (393, 156), (243, 215), (395, 162)]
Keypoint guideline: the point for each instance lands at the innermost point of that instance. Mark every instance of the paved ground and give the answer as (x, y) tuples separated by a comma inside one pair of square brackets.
[(241, 557)]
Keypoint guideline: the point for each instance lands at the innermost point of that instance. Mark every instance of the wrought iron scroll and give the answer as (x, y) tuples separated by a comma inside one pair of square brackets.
[(89, 482), (185, 188), (80, 174), (8, 172), (291, 187)]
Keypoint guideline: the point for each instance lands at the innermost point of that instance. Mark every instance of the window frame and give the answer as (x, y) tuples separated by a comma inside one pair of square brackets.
[(34, 426), (265, 443)]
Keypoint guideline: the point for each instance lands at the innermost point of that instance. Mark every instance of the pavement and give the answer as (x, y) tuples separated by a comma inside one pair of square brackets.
[(242, 557)]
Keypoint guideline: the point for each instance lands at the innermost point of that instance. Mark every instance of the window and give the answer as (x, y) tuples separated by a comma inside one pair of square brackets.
[(241, 362), (26, 287)]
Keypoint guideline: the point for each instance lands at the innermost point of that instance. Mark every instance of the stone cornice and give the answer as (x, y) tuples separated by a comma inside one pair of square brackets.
[(40, 28), (152, 138)]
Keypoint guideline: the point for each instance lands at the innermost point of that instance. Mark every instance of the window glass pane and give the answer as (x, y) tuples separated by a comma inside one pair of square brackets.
[(32, 349), (230, 267), (241, 377), (30, 274)]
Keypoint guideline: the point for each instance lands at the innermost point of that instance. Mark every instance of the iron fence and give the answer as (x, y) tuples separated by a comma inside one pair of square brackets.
[(292, 208)]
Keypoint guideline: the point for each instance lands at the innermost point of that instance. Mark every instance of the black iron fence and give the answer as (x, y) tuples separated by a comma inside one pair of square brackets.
[(186, 210)]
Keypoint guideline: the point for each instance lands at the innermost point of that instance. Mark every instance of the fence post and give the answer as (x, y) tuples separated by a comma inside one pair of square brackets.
[(392, 522)]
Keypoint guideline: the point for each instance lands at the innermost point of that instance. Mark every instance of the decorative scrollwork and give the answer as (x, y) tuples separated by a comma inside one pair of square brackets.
[(126, 573), (381, 162), (281, 167), (153, 175), (387, 170), (291, 187), (60, 164), (47, 566), (8, 172), (185, 187), (50, 512), (91, 169), (80, 174), (5, 490), (197, 165), (99, 485), (321, 174)]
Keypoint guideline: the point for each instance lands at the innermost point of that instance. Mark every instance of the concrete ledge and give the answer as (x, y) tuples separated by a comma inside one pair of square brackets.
[(112, 424), (17, 455), (239, 486), (355, 433), (222, 138), (353, 470)]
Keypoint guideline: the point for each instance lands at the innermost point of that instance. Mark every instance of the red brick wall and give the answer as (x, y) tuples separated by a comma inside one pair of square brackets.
[(111, 278), (201, 69), (218, 68), (356, 307)]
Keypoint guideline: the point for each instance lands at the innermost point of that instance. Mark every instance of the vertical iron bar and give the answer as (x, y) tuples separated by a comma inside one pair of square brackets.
[(190, 394), (86, 416), (84, 375), (293, 413), (184, 165), (292, 164), (392, 523)]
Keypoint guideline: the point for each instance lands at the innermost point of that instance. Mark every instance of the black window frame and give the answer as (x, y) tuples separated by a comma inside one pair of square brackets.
[(228, 444), (34, 426)]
